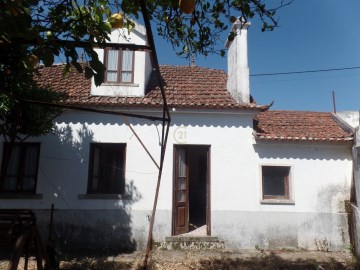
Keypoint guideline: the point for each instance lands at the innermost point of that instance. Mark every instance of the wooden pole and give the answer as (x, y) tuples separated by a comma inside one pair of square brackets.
[(165, 125)]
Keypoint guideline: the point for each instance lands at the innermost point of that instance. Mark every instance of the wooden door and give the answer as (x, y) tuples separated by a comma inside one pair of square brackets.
[(181, 193)]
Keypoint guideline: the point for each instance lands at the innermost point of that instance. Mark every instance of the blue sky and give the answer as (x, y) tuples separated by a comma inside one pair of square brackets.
[(313, 34)]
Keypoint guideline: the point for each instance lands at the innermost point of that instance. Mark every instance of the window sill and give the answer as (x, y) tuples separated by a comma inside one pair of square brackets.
[(21, 196), (120, 84), (104, 197), (279, 201)]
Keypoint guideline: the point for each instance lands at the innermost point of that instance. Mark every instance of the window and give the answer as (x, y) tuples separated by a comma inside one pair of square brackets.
[(21, 172), (119, 66), (107, 168), (275, 182)]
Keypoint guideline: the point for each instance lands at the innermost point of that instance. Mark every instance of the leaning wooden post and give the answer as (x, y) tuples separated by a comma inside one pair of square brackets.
[(165, 122)]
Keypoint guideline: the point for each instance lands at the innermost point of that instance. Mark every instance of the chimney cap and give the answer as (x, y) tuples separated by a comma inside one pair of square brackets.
[(238, 25)]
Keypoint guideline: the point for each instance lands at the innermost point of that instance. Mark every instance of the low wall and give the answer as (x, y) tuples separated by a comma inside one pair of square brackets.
[(116, 230), (103, 230), (277, 230)]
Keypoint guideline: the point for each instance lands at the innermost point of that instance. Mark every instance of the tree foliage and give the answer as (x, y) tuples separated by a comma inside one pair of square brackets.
[(199, 32), (51, 28), (35, 31), (18, 119)]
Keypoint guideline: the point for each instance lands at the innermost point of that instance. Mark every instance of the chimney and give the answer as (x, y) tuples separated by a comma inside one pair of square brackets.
[(238, 83)]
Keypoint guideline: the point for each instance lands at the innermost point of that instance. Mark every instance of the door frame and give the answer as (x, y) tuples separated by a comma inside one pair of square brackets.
[(208, 187)]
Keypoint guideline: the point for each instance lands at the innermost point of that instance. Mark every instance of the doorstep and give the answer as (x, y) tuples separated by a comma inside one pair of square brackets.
[(191, 243)]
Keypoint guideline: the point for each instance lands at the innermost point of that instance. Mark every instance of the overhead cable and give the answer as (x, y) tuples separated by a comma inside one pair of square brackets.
[(303, 71)]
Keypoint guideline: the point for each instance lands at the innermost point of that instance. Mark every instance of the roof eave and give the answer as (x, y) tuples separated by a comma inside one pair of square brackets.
[(301, 139), (241, 107)]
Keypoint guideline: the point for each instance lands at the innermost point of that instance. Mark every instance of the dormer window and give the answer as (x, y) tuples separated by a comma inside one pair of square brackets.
[(119, 66)]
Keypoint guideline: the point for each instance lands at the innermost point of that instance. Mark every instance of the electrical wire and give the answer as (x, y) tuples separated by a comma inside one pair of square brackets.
[(292, 79), (303, 71)]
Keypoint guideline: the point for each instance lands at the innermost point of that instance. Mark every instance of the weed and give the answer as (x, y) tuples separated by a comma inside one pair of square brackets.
[(322, 245)]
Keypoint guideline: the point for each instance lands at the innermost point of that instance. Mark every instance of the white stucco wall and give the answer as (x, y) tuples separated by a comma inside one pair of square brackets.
[(350, 117), (320, 182)]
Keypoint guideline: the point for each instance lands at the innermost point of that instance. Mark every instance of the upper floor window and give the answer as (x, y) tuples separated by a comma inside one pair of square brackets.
[(119, 66), (275, 182), (107, 168), (22, 168)]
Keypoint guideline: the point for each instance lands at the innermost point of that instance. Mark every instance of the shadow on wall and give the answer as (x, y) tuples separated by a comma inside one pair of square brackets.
[(101, 231), (63, 164), (301, 150), (99, 225), (178, 118)]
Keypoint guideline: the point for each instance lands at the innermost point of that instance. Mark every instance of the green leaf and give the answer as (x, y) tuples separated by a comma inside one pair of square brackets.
[(130, 25), (97, 65), (47, 57), (66, 70), (246, 8), (77, 66), (98, 78), (106, 26), (88, 72)]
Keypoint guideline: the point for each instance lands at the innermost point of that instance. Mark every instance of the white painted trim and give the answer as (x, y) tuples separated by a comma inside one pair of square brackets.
[(117, 84), (196, 111), (276, 202)]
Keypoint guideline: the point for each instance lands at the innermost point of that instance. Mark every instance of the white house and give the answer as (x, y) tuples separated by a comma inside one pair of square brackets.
[(233, 169)]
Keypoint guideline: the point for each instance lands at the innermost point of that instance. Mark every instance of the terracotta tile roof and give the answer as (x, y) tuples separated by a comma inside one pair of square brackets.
[(299, 126), (71, 86), (185, 87), (198, 87)]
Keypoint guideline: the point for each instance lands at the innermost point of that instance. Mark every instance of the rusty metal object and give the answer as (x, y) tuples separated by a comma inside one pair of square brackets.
[(18, 230)]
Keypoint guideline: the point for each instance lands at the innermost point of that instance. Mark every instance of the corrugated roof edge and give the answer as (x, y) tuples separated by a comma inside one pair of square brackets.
[(302, 139), (242, 107)]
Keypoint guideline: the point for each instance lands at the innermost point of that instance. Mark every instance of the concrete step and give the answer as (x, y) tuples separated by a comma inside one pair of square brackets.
[(190, 243)]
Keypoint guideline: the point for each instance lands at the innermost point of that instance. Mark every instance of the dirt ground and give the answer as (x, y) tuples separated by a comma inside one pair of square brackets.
[(212, 260)]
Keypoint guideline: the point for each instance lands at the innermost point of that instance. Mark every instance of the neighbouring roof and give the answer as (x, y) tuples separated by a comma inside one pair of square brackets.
[(299, 126), (185, 87)]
